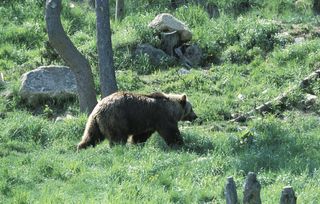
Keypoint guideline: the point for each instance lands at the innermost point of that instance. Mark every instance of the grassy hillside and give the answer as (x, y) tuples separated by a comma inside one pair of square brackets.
[(250, 57)]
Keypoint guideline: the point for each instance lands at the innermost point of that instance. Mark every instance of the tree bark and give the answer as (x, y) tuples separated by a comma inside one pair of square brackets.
[(108, 82), (77, 62), (119, 10)]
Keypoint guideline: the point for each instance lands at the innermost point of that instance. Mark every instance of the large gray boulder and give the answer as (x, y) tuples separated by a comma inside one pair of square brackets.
[(194, 54), (156, 56), (48, 82), (165, 22)]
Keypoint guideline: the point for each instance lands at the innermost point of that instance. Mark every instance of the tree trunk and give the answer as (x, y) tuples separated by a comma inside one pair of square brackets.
[(119, 10), (77, 62), (108, 81)]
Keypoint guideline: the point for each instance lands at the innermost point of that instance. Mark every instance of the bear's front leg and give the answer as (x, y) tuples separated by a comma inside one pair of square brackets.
[(171, 134)]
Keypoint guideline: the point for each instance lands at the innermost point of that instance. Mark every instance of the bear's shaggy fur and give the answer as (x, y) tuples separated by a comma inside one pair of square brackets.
[(121, 115)]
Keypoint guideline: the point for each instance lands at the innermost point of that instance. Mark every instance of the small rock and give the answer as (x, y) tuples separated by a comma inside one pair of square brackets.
[(68, 117), (165, 22), (48, 82), (284, 38), (216, 128), (183, 71), (156, 56), (265, 91), (59, 119), (310, 99), (316, 32), (62, 118), (241, 97), (299, 40)]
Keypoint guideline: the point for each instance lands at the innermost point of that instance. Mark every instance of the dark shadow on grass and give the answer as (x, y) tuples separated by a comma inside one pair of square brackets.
[(276, 148), (192, 143), (197, 144)]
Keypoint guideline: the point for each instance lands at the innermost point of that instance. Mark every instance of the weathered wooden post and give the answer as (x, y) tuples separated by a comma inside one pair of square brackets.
[(316, 7), (212, 10), (231, 191), (288, 196), (169, 41), (252, 187)]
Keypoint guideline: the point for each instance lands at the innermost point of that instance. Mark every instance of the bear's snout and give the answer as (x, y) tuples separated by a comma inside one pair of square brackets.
[(191, 117)]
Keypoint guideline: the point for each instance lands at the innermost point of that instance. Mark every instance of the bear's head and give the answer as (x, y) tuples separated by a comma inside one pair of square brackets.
[(188, 114)]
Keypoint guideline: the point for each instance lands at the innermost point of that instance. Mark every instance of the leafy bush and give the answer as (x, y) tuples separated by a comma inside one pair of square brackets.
[(235, 54), (257, 33), (193, 16), (128, 80)]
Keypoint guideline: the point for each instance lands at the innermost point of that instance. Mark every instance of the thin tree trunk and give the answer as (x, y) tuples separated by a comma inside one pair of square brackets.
[(119, 10), (107, 74), (77, 62)]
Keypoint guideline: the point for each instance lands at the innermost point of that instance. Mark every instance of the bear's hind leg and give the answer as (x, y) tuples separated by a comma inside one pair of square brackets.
[(141, 138), (115, 141), (117, 138)]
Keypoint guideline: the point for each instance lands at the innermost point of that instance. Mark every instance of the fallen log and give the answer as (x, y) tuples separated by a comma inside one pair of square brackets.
[(279, 100)]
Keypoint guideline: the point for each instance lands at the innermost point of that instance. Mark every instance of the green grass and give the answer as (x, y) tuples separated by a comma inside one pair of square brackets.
[(246, 53)]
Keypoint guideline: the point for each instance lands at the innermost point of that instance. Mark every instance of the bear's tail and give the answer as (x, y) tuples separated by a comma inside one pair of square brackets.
[(91, 135)]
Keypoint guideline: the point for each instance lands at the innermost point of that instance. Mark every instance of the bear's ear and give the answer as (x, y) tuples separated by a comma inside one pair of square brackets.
[(183, 100)]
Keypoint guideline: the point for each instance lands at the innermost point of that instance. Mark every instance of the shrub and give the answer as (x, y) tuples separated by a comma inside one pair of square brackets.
[(128, 80)]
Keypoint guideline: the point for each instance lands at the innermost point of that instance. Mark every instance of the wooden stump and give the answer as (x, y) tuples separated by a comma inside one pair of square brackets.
[(231, 191), (252, 187), (316, 7), (288, 196), (212, 10), (169, 41)]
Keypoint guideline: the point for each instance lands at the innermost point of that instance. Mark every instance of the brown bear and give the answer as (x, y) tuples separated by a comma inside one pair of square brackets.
[(122, 115)]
